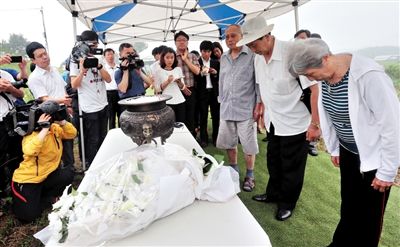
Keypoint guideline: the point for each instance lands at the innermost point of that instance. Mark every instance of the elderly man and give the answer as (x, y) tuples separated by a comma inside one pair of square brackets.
[(289, 124), (239, 109)]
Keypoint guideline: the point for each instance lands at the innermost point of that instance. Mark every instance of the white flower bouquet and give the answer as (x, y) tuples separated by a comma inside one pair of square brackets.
[(131, 190)]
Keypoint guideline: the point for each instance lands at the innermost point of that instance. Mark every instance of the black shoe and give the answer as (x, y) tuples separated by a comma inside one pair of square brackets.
[(283, 214), (263, 198)]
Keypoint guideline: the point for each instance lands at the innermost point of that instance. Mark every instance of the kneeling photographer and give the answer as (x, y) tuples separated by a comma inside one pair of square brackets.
[(88, 76), (129, 77), (10, 145), (37, 181)]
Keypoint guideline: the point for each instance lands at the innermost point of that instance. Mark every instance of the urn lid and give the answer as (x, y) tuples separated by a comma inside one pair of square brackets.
[(145, 103)]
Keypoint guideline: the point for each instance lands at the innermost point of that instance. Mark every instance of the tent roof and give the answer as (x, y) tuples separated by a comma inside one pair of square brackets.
[(119, 21)]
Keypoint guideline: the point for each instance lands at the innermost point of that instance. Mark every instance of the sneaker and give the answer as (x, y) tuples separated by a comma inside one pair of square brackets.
[(249, 184)]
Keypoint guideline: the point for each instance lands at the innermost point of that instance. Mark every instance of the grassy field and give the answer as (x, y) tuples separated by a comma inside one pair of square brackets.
[(317, 212)]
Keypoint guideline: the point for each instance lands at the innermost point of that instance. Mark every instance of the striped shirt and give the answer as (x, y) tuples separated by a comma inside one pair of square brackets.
[(336, 103)]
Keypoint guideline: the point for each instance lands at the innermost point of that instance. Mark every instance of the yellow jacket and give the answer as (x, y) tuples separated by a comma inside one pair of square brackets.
[(42, 157)]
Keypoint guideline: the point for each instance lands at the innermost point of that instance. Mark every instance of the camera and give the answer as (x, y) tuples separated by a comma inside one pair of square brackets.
[(19, 84), (85, 50), (134, 62), (23, 120)]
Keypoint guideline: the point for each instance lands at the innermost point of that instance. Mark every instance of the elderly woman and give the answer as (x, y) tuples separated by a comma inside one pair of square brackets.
[(360, 122)]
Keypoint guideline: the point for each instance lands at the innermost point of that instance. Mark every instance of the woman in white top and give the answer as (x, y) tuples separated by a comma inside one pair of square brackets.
[(169, 80), (360, 121)]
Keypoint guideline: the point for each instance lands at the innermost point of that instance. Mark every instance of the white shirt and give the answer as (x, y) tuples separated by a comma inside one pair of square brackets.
[(5, 107), (374, 112), (172, 88), (46, 83), (111, 70), (208, 78), (280, 92), (154, 67), (92, 92)]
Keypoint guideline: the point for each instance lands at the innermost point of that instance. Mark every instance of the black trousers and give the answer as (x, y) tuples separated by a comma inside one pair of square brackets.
[(207, 99), (94, 131), (10, 157), (30, 199), (179, 110), (113, 107), (286, 162), (362, 208), (190, 108)]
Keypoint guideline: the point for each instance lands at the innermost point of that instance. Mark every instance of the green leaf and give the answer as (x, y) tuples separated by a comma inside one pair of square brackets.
[(194, 152), (140, 167), (74, 192), (84, 193), (64, 229), (136, 179)]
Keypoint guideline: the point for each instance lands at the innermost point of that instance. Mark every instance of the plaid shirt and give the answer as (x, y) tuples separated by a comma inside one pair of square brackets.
[(189, 76)]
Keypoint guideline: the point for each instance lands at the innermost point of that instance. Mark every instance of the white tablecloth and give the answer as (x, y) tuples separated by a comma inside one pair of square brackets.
[(202, 223)]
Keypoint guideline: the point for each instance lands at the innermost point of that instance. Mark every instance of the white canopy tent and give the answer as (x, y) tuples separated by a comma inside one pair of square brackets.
[(118, 21)]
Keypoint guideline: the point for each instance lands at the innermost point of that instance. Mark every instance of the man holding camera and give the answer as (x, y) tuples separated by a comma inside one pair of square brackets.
[(129, 77), (9, 145), (92, 96), (45, 84)]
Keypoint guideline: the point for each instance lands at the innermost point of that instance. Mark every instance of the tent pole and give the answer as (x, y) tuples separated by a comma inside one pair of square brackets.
[(74, 16), (295, 4)]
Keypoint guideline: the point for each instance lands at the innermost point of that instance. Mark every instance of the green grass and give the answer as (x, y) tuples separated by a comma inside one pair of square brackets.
[(317, 211)]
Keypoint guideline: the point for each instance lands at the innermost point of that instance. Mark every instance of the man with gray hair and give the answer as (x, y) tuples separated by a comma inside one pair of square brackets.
[(289, 124), (240, 108)]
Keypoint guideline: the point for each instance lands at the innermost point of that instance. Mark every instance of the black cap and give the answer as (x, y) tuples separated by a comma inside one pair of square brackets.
[(32, 47), (49, 107), (89, 36), (181, 33)]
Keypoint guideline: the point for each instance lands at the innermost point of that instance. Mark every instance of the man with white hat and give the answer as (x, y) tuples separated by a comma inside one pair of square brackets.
[(289, 124)]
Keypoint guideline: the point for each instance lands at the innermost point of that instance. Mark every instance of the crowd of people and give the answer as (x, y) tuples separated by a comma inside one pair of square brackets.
[(299, 89)]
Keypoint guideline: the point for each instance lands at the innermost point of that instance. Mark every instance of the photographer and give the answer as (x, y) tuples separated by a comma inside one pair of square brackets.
[(37, 182), (129, 77), (92, 97), (45, 84), (10, 147)]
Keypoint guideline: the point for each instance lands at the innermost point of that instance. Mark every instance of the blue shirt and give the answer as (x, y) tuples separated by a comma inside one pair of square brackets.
[(135, 86), (238, 91), (12, 72)]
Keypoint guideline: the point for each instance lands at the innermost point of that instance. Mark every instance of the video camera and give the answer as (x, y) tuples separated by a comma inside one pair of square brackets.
[(23, 120), (85, 50), (134, 62)]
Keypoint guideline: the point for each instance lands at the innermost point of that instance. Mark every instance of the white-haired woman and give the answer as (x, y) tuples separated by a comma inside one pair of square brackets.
[(360, 122)]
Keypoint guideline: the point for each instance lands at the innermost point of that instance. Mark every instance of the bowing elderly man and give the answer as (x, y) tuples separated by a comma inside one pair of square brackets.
[(290, 126)]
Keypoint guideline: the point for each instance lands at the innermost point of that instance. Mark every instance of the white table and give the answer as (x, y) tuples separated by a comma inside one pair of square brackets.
[(201, 223)]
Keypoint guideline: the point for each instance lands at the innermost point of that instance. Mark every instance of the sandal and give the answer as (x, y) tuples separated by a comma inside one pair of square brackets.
[(249, 184)]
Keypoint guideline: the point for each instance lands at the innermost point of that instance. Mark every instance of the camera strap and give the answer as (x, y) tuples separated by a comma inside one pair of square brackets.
[(8, 100)]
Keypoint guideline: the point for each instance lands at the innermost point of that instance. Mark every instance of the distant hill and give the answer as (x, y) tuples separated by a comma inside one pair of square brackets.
[(373, 52)]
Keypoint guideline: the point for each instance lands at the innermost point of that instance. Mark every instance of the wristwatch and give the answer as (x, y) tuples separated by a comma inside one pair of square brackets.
[(99, 67)]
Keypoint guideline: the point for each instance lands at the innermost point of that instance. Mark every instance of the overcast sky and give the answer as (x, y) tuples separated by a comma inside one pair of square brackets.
[(345, 25)]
